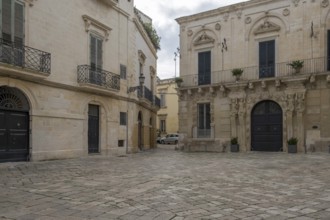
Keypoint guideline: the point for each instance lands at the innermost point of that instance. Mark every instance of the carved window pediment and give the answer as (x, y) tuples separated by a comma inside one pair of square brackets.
[(266, 27), (204, 39), (91, 22)]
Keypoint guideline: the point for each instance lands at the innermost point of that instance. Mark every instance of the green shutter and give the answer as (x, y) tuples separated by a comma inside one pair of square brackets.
[(99, 54), (96, 53), (6, 20), (93, 53), (19, 24)]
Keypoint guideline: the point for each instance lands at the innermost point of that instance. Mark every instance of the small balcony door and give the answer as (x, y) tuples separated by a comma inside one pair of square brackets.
[(96, 76), (267, 59), (204, 68)]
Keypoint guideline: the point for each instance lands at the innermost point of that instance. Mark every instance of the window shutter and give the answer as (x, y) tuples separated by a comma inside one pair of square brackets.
[(93, 53), (99, 54), (6, 20), (19, 24)]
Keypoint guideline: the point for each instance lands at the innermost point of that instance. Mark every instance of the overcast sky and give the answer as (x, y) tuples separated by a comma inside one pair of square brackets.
[(163, 13)]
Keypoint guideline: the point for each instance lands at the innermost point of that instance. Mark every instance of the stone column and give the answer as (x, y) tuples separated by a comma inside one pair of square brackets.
[(289, 117), (300, 102), (241, 125), (233, 116)]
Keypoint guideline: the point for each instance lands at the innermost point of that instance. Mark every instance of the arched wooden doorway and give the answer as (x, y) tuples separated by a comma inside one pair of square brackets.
[(267, 127), (14, 125)]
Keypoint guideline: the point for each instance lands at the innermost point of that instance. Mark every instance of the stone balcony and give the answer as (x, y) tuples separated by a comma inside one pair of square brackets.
[(276, 72)]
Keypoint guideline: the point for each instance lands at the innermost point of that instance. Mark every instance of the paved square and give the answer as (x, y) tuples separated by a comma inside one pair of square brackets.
[(165, 184)]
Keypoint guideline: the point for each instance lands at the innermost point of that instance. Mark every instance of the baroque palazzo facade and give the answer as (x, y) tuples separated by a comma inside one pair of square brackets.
[(76, 77), (270, 102)]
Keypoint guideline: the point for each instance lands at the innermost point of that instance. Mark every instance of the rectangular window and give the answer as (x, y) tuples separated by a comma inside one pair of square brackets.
[(204, 68), (122, 71), (163, 126), (123, 117), (162, 100), (267, 59), (12, 32), (204, 120), (12, 21), (121, 143)]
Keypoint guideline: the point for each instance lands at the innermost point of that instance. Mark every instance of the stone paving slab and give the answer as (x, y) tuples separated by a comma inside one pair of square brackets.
[(164, 184)]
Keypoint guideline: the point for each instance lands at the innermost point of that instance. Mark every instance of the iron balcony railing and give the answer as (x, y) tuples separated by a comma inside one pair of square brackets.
[(311, 66), (99, 77), (147, 94), (25, 57)]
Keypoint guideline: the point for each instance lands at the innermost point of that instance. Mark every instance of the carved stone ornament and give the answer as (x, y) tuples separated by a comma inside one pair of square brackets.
[(267, 26), (226, 16), (217, 27), (248, 20), (190, 33), (286, 12), (239, 13), (328, 78), (325, 3), (203, 39), (277, 83), (251, 86), (296, 2)]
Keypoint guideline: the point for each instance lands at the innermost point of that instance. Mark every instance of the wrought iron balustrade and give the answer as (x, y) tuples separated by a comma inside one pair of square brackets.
[(149, 95), (25, 57), (311, 66), (99, 77)]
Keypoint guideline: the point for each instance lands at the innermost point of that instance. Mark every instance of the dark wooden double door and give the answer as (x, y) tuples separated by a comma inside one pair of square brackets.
[(14, 136), (267, 127), (93, 128)]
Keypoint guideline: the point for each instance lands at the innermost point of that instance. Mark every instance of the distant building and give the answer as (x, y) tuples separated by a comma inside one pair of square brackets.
[(167, 116), (69, 80), (275, 98)]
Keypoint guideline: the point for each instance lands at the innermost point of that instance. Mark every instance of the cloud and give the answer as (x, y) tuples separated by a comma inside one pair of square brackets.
[(163, 14)]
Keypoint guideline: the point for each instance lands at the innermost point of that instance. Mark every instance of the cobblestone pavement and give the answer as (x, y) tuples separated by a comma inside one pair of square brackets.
[(164, 184)]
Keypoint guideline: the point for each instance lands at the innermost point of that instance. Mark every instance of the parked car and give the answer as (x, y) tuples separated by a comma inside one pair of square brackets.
[(159, 139), (170, 139)]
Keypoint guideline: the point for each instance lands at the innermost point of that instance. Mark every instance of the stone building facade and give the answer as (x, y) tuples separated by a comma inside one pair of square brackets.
[(270, 102), (168, 121), (69, 79)]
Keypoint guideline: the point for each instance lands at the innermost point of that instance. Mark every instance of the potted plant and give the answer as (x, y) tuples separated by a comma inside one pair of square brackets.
[(234, 146), (178, 81), (292, 145), (237, 72), (297, 65)]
